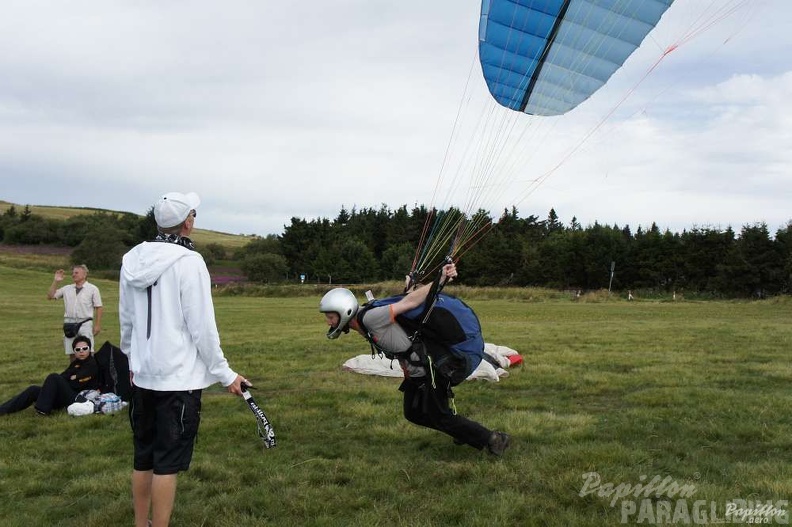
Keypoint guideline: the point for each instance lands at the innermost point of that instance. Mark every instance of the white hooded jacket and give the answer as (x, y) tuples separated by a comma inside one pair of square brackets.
[(168, 327)]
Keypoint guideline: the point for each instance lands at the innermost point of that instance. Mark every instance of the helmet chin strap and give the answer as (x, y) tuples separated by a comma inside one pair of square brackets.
[(334, 329)]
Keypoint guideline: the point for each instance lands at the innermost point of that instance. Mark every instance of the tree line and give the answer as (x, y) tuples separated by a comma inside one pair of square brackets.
[(379, 244), (370, 244)]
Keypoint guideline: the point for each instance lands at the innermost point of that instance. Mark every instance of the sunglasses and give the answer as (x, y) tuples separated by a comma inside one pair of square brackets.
[(194, 214), (83, 348)]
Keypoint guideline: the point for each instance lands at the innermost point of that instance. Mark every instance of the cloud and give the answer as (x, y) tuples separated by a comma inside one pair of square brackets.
[(271, 110)]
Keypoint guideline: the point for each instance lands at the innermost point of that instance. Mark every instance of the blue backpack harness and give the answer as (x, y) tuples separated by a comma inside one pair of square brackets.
[(448, 341)]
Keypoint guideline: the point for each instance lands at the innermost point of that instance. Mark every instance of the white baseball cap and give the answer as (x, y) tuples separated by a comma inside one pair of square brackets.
[(174, 207)]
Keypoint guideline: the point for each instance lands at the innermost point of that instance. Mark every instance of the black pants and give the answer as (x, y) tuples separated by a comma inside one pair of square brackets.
[(427, 406), (54, 394)]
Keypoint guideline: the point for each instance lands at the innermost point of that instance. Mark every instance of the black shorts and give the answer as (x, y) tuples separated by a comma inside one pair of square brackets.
[(164, 427)]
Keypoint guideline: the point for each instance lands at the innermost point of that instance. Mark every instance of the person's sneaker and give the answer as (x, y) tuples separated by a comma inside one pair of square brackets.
[(498, 443)]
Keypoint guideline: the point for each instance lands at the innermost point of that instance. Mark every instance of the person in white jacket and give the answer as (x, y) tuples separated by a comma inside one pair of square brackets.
[(169, 333)]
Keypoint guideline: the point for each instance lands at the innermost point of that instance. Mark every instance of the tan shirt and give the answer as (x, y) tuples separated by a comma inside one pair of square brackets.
[(79, 304)]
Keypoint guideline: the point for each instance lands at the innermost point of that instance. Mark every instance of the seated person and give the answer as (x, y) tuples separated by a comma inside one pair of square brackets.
[(60, 390)]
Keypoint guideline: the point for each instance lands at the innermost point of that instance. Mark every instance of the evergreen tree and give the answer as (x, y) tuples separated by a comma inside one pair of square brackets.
[(147, 227), (301, 241), (397, 261), (702, 251), (783, 242), (553, 224), (755, 263)]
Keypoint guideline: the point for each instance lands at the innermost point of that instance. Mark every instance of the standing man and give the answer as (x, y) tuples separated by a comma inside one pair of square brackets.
[(169, 333), (81, 300)]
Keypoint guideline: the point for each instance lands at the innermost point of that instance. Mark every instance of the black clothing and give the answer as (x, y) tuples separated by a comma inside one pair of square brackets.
[(58, 390), (427, 405), (85, 373), (175, 415), (429, 366)]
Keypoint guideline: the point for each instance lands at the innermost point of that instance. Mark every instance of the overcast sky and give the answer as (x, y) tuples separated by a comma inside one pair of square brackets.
[(271, 110)]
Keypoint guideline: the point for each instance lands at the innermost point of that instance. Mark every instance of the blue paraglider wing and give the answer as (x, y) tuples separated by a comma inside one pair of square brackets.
[(544, 57)]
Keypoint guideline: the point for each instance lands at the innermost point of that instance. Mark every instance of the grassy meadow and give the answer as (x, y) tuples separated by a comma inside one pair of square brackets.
[(697, 393)]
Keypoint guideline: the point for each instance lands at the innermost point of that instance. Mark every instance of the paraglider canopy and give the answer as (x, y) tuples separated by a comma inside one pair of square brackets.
[(544, 57)]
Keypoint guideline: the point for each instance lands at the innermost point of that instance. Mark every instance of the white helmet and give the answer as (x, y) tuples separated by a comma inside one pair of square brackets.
[(343, 302)]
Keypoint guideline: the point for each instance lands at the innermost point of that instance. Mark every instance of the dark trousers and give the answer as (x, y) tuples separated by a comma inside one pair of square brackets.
[(428, 406), (55, 393)]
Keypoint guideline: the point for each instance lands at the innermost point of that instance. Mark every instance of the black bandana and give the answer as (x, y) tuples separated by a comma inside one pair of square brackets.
[(184, 241)]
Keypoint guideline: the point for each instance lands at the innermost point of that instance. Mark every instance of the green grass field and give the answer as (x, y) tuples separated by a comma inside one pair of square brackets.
[(696, 393)]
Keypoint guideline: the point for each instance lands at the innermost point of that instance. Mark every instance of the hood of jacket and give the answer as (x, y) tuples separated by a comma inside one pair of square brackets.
[(145, 263)]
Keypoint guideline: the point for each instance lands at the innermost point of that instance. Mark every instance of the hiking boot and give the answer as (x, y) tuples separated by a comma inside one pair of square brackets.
[(498, 443)]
